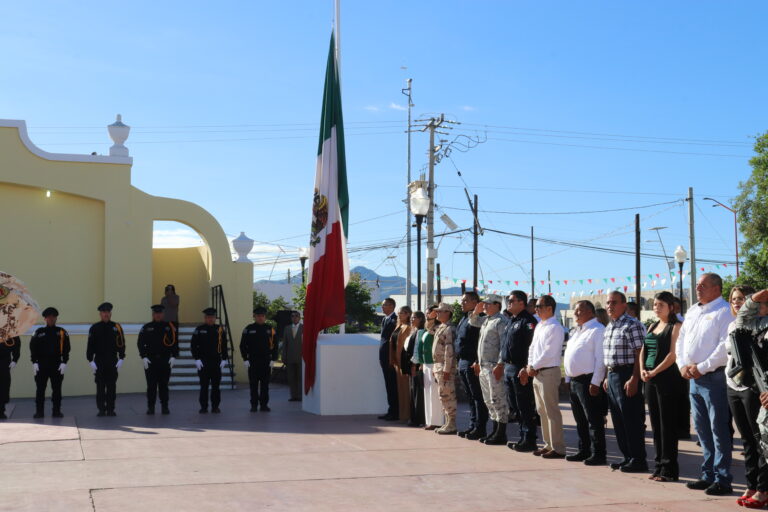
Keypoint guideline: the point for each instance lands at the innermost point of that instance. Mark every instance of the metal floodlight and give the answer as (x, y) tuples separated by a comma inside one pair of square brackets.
[(449, 222)]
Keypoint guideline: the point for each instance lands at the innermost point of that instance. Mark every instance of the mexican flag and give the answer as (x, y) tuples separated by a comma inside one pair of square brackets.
[(328, 272)]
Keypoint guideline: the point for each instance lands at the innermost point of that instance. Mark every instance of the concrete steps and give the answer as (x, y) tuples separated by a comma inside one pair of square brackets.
[(184, 372)]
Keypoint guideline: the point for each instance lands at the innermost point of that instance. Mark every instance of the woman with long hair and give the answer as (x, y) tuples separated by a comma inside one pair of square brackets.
[(409, 359), (396, 345), (433, 408), (661, 375)]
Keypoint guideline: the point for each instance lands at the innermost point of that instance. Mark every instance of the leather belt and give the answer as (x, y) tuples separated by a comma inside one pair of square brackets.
[(618, 367)]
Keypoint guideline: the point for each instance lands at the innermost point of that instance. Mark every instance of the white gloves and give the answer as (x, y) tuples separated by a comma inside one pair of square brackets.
[(12, 365), (172, 361), (146, 363), (92, 364), (223, 364), (198, 364), (35, 368), (62, 367), (119, 364), (271, 364), (247, 363)]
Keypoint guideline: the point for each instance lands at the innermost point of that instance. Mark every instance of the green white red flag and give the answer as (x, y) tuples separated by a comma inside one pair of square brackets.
[(328, 271)]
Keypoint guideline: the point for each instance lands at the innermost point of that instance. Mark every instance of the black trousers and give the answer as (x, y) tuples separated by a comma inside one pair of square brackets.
[(106, 386), (293, 374), (521, 402), (390, 381), (417, 397), (210, 375), (478, 411), (5, 382), (628, 415), (588, 413), (745, 405), (158, 374), (48, 371), (663, 394), (258, 378)]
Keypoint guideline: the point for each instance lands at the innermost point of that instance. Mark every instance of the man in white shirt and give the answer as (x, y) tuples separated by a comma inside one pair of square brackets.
[(585, 367), (701, 356), (544, 358)]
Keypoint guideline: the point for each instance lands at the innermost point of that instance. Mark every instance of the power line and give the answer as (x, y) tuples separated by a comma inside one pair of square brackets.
[(568, 213)]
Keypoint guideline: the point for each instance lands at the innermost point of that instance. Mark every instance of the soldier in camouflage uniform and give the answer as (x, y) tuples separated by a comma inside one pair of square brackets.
[(444, 365), (494, 389)]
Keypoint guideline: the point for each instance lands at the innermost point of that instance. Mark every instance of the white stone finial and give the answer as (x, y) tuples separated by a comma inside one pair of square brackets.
[(242, 246), (118, 132)]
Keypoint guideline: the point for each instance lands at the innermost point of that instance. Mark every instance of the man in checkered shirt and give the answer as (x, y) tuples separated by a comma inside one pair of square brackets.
[(623, 340)]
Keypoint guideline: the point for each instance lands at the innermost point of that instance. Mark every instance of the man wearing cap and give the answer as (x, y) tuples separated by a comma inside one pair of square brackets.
[(513, 358), (10, 351), (259, 351), (158, 350), (105, 353), (488, 350), (543, 367), (209, 349), (467, 336), (444, 365), (292, 345), (49, 349)]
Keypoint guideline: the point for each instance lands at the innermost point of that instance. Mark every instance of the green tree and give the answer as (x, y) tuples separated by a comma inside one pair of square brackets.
[(360, 312), (752, 210)]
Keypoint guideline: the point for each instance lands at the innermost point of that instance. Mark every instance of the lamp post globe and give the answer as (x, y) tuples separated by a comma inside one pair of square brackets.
[(680, 256), (419, 204), (303, 256)]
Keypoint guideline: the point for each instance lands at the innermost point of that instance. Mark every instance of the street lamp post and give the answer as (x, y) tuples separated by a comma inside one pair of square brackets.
[(419, 203), (680, 256), (670, 265), (735, 227), (303, 256)]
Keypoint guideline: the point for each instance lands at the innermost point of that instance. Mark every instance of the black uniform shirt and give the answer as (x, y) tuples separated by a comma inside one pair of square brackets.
[(106, 342), (10, 350), (258, 343), (158, 339), (50, 345), (209, 342), (517, 338)]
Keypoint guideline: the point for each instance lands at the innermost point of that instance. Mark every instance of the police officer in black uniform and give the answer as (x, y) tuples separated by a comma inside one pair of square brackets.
[(49, 349), (158, 349), (514, 355), (105, 353), (209, 350), (259, 351), (10, 350)]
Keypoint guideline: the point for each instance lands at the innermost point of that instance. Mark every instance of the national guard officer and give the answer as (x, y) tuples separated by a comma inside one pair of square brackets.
[(259, 351), (444, 363), (210, 352), (488, 349), (158, 349), (105, 353), (10, 350), (513, 358), (49, 349)]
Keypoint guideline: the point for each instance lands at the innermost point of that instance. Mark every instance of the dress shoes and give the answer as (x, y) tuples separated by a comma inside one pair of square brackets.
[(111, 413), (552, 454), (38, 415), (431, 427), (618, 465), (101, 413), (595, 461), (215, 410), (718, 489), (57, 414), (476, 435), (539, 451), (523, 446), (203, 410), (698, 485), (577, 457), (166, 410), (634, 467), (264, 408), (254, 408), (463, 433), (385, 417)]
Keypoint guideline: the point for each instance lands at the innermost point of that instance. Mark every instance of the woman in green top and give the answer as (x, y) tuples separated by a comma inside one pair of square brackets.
[(661, 377), (433, 408)]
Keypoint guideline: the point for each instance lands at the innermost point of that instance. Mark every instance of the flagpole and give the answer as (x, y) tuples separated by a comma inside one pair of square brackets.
[(337, 36)]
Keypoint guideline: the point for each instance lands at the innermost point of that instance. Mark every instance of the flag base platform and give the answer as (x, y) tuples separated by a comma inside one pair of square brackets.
[(348, 379)]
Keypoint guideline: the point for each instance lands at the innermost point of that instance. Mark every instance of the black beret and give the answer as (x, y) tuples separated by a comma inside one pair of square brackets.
[(105, 306), (260, 311), (158, 308), (50, 311), (209, 311)]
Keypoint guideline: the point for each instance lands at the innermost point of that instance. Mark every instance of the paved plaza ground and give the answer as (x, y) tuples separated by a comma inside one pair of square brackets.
[(291, 460)]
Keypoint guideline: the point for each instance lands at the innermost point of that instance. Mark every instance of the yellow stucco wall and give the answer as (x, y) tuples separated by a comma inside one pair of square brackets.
[(92, 241)]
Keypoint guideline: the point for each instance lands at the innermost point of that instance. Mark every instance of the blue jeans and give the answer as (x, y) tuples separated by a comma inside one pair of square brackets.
[(709, 403)]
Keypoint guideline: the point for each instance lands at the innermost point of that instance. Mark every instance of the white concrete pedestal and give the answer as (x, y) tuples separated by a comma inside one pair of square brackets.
[(348, 379)]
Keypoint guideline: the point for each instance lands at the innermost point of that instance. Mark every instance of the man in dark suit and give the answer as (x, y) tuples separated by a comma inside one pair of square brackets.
[(390, 378), (291, 353)]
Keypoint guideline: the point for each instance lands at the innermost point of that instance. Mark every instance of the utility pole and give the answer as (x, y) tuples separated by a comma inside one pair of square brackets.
[(692, 242), (637, 258), (549, 281), (533, 280), (407, 92), (434, 124), (474, 245)]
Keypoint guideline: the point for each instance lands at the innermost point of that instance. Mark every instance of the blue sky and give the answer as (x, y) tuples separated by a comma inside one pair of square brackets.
[(224, 101)]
